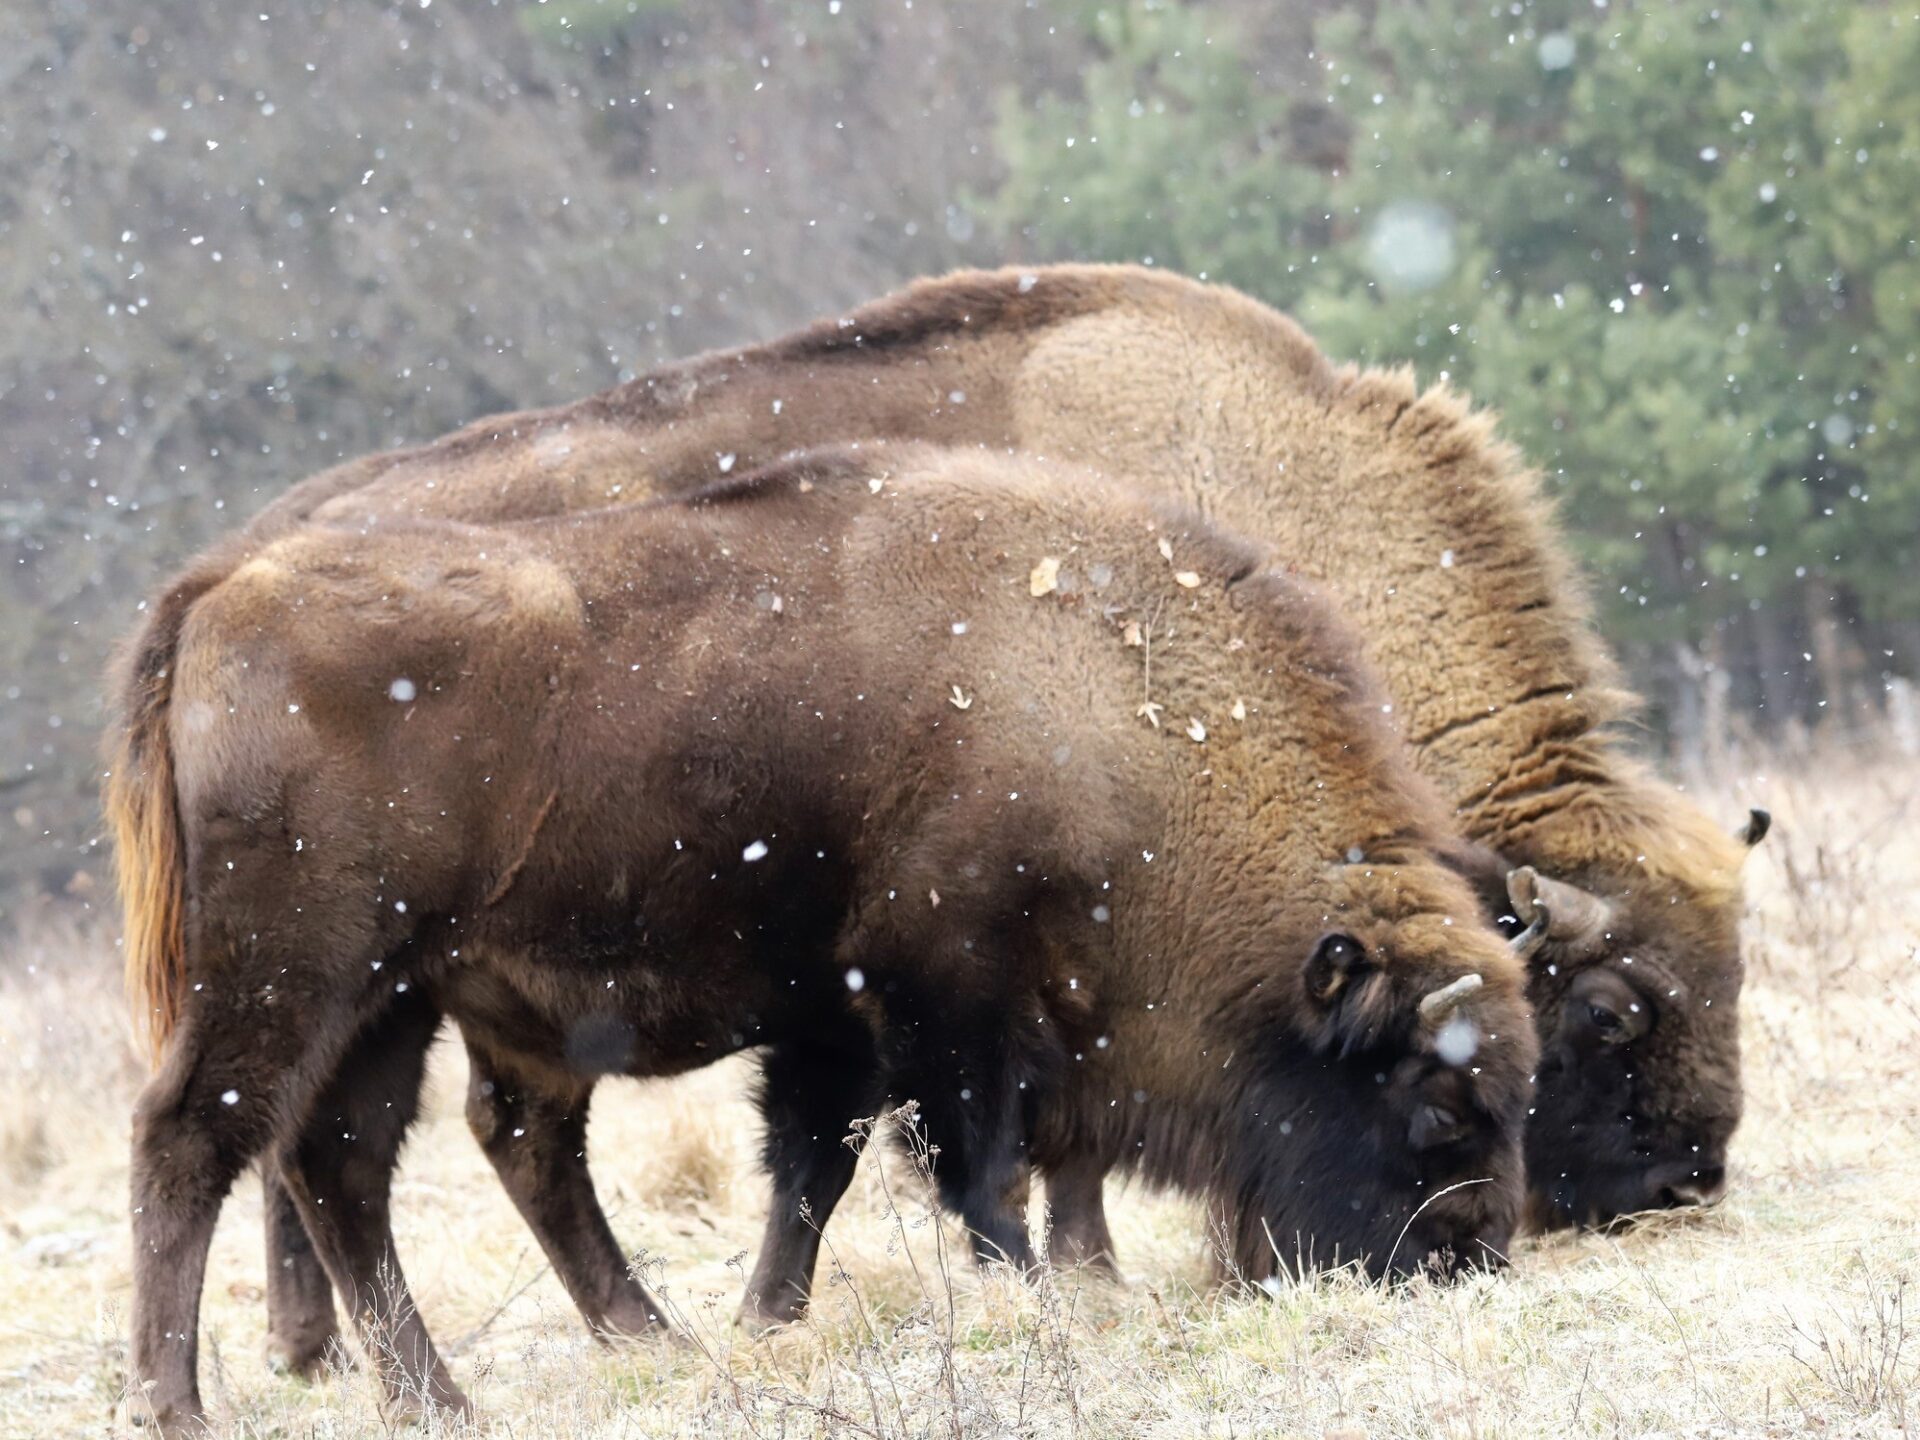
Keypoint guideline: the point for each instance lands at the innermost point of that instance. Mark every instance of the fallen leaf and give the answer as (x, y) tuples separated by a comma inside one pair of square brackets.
[(1044, 578)]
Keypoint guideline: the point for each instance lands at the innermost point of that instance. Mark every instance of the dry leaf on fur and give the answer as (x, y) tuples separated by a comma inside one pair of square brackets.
[(1044, 578), (1132, 633), (1166, 549), (960, 700), (1239, 711), (1186, 578)]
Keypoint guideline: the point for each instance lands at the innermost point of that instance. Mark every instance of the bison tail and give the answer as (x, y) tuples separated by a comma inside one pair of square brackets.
[(141, 809)]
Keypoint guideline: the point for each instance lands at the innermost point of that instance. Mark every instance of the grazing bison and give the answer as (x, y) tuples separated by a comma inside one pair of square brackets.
[(1425, 529), (1429, 532), (853, 759)]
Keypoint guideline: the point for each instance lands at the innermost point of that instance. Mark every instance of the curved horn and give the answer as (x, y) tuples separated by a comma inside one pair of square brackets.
[(1535, 935), (1755, 830), (1574, 916), (1444, 1001)]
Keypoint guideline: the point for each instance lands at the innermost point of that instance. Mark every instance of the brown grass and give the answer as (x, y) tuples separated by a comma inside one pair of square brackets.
[(1785, 1312)]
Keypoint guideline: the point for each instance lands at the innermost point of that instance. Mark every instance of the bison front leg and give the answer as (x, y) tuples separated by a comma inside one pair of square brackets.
[(974, 1117), (339, 1174), (810, 1097), (1077, 1199), (301, 1328), (536, 1140)]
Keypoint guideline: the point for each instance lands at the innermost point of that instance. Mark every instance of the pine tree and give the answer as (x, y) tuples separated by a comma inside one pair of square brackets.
[(1674, 244)]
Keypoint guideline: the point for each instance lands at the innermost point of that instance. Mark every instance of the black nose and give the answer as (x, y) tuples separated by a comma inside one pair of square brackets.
[(1686, 1184)]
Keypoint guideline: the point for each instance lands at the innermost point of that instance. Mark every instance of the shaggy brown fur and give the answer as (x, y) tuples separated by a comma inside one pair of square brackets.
[(1431, 534), (1369, 486), (660, 777)]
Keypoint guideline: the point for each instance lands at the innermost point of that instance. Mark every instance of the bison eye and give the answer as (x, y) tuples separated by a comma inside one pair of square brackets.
[(1605, 1021)]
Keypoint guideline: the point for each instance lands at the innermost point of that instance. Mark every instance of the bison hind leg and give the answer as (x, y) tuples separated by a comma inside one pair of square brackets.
[(302, 1333), (234, 1074), (339, 1173)]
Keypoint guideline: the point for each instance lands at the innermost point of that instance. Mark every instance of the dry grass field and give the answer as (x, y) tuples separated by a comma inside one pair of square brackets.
[(1783, 1312)]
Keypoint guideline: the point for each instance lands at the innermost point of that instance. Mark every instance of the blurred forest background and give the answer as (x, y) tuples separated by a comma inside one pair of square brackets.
[(1676, 245)]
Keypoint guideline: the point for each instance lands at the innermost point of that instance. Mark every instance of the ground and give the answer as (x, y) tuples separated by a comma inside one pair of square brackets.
[(1782, 1312)]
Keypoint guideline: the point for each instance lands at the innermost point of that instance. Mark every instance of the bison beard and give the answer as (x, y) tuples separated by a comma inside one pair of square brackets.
[(633, 815)]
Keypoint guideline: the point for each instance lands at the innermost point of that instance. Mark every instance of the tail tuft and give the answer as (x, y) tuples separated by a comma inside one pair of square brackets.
[(148, 847)]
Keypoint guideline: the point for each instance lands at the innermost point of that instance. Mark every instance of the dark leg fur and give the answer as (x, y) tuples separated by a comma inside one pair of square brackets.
[(187, 1150), (1076, 1196), (810, 1097), (301, 1328), (537, 1141), (233, 1071), (975, 1118), (340, 1174)]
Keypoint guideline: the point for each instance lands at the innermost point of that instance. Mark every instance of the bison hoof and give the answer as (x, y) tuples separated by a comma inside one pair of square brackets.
[(411, 1409), (759, 1316), (627, 1326), (1095, 1267), (304, 1357), (166, 1423)]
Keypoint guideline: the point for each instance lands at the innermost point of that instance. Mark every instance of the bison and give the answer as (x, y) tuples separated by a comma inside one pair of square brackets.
[(1403, 504), (1426, 529), (856, 759)]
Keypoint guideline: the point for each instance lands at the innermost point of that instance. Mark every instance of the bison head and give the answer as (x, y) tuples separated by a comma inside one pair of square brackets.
[(1635, 986), (1391, 1138)]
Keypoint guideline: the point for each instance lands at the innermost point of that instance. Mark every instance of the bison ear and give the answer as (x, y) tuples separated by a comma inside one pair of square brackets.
[(1337, 959), (1555, 910), (1755, 830)]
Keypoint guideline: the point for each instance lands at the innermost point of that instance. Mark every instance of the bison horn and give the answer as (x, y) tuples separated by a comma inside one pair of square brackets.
[(1755, 830), (1574, 916), (1444, 1001), (1535, 935)]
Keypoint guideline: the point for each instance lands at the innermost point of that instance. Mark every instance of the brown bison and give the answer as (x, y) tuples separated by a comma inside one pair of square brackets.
[(1403, 504), (1430, 534), (852, 760)]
